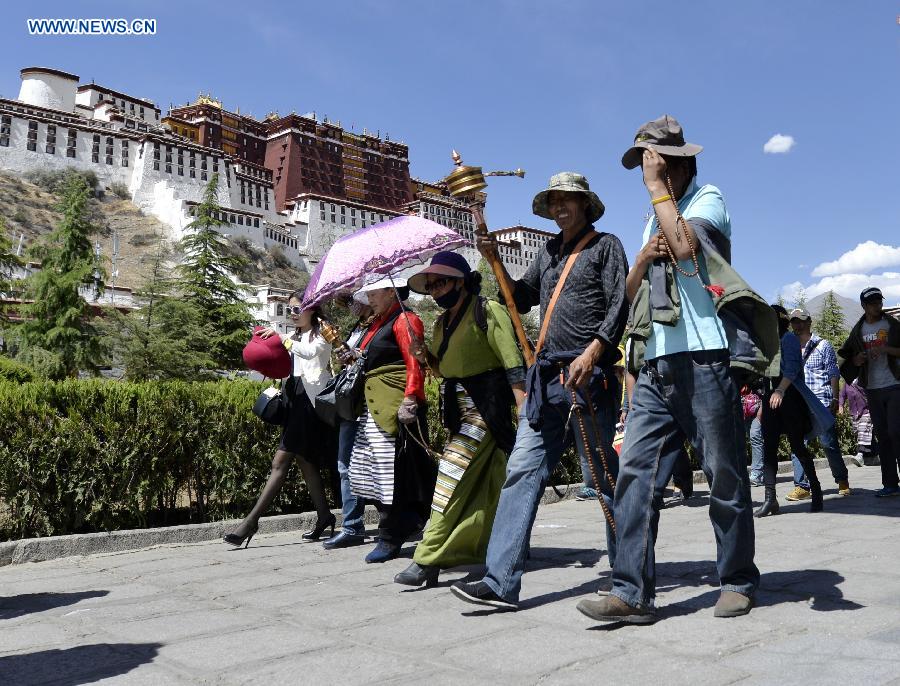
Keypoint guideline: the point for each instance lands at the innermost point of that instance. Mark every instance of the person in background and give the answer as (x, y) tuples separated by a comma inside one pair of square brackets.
[(752, 406), (871, 354), (821, 374), (852, 401), (792, 410), (304, 437), (353, 528)]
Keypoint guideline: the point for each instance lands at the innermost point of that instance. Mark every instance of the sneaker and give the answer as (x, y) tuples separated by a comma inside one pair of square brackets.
[(799, 493), (857, 459), (887, 492), (479, 593), (756, 481), (613, 609), (586, 493), (844, 488)]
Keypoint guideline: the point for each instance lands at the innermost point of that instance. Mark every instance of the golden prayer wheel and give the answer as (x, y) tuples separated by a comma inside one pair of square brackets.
[(466, 182)]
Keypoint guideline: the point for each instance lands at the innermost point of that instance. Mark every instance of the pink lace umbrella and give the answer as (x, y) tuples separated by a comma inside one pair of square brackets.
[(383, 249)]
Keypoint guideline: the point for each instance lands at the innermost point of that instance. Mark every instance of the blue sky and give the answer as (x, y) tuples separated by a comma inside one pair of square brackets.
[(562, 85)]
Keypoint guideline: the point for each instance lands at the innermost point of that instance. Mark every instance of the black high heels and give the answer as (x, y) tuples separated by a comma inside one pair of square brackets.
[(238, 541), (321, 525)]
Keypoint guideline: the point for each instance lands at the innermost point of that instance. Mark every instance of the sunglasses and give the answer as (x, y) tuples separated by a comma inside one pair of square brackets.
[(295, 309), (437, 284)]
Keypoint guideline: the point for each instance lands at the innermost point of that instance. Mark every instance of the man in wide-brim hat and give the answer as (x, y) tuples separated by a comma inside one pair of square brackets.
[(578, 345), (684, 388)]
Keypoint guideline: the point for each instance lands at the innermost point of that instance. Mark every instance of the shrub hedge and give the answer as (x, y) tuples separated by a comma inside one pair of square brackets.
[(93, 455)]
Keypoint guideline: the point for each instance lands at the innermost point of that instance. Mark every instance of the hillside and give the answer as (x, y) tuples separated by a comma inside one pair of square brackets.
[(30, 210), (851, 308)]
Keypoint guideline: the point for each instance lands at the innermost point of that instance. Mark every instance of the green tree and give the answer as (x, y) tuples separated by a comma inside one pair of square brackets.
[(830, 322), (489, 287), (58, 334), (204, 279), (8, 264), (167, 338), (800, 300), (780, 300)]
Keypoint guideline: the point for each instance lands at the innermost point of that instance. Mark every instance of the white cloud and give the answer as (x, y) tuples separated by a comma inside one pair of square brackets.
[(779, 144), (849, 285), (863, 258)]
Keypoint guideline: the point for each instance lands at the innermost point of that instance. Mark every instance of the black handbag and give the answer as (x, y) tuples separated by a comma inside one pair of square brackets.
[(342, 398), (271, 407)]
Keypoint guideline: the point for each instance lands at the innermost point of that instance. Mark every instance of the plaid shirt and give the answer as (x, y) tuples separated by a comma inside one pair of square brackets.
[(820, 368)]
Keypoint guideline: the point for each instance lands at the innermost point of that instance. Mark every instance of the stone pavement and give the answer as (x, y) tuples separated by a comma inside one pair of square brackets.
[(287, 611)]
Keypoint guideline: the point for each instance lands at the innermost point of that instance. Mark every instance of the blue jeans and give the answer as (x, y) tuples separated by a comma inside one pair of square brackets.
[(756, 449), (534, 457), (683, 396), (829, 443), (352, 507)]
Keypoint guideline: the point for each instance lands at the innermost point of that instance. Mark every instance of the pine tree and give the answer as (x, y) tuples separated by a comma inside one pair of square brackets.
[(489, 287), (166, 338), (8, 264), (830, 322), (58, 331), (780, 300), (800, 301), (205, 282)]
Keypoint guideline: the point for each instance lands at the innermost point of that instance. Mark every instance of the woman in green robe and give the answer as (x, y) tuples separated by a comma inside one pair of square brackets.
[(474, 351)]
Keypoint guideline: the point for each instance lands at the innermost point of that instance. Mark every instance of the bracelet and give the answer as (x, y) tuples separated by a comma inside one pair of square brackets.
[(777, 390), (660, 199)]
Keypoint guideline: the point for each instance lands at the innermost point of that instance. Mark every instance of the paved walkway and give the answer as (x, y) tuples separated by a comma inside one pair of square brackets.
[(286, 611)]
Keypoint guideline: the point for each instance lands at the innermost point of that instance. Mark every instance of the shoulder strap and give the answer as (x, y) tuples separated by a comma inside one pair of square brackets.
[(570, 262), (810, 351)]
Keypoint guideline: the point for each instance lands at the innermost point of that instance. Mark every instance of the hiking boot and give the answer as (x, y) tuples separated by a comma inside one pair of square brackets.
[(844, 488), (479, 593), (613, 609), (799, 493), (732, 604)]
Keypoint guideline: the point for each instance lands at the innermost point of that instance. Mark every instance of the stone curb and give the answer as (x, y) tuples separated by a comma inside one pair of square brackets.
[(54, 547)]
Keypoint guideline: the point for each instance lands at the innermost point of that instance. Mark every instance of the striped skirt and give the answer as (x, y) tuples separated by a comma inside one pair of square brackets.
[(471, 473), (863, 427), (372, 462)]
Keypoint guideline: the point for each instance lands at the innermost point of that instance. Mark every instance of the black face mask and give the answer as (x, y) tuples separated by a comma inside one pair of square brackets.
[(448, 299)]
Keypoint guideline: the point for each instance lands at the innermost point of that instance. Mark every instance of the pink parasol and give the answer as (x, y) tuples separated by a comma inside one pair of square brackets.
[(379, 249)]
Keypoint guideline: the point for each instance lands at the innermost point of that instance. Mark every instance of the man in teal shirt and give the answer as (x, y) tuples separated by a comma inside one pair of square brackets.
[(684, 391)]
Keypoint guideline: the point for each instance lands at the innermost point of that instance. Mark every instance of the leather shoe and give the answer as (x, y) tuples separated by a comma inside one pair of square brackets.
[(383, 552), (343, 540), (611, 608), (733, 604), (416, 575)]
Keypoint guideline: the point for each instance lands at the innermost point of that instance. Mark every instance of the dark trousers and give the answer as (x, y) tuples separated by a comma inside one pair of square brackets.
[(791, 419), (884, 406)]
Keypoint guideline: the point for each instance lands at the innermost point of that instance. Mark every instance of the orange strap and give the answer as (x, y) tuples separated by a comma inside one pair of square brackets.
[(570, 262)]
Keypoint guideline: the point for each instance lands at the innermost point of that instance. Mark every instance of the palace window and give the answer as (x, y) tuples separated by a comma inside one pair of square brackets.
[(168, 168), (203, 176)]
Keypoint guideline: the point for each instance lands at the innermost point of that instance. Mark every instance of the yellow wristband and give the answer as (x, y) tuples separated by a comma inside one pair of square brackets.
[(660, 199)]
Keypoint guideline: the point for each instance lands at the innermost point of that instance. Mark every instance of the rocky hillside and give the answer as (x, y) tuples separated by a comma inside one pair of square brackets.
[(29, 209)]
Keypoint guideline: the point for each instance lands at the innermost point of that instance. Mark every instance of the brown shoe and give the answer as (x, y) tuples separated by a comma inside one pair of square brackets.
[(613, 609), (844, 488), (733, 604)]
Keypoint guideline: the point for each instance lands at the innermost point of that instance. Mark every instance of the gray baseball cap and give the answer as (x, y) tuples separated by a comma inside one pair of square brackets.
[(663, 135)]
